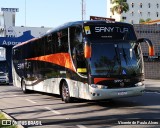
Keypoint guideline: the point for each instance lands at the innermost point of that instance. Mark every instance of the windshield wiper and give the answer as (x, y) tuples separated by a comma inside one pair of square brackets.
[(128, 60), (118, 58), (117, 55), (125, 56)]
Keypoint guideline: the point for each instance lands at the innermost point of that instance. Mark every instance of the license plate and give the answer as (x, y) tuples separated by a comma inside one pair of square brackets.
[(122, 93)]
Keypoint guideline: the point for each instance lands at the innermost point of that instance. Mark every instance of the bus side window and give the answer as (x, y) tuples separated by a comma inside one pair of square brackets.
[(63, 40), (48, 42), (16, 54), (75, 36), (36, 48), (55, 43), (79, 60), (77, 49)]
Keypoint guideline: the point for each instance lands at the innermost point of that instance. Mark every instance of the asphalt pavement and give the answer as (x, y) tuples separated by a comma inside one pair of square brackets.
[(152, 85)]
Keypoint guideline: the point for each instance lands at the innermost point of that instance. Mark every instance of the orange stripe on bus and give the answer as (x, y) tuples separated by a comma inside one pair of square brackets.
[(62, 59), (96, 80)]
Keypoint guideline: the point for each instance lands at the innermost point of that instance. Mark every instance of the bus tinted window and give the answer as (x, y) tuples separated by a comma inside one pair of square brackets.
[(63, 40)]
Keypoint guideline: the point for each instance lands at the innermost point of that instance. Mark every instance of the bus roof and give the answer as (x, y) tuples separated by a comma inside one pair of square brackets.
[(33, 39), (69, 24)]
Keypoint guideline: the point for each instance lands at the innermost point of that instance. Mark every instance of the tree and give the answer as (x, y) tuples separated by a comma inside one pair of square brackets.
[(120, 6), (141, 20), (148, 19)]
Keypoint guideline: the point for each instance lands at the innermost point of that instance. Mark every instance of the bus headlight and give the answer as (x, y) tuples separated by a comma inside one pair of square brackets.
[(139, 84), (99, 86)]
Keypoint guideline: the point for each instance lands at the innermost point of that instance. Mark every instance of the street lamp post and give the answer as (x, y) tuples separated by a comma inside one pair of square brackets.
[(83, 9), (25, 13)]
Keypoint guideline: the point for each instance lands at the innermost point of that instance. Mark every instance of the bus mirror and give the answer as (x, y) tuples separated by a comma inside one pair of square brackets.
[(150, 45), (87, 50), (151, 51)]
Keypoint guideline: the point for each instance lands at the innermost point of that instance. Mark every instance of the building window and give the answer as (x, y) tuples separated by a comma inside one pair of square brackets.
[(124, 18), (157, 14), (149, 5), (132, 13), (131, 21), (140, 13), (149, 13), (132, 4), (140, 5), (157, 5)]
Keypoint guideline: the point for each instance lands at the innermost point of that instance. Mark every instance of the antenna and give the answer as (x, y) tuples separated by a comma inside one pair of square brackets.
[(83, 9)]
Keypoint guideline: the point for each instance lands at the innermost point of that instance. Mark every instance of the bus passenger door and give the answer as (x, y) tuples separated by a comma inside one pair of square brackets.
[(76, 47), (79, 60)]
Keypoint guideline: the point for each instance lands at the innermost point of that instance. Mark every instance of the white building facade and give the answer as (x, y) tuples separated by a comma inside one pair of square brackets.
[(8, 28), (138, 10)]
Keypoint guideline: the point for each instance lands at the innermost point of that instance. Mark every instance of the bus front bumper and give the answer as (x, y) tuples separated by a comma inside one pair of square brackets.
[(101, 94)]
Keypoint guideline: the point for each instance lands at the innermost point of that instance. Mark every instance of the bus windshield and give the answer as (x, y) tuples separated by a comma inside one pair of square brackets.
[(116, 58)]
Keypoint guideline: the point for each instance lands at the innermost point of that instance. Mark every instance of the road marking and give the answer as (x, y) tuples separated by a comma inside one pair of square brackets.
[(81, 126), (15, 95), (54, 111), (31, 101)]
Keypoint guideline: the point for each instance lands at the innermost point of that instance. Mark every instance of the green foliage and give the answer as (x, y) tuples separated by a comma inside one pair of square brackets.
[(2, 117), (120, 6), (148, 19), (142, 20)]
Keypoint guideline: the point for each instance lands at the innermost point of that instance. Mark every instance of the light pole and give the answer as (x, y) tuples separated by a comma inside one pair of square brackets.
[(83, 9), (25, 13)]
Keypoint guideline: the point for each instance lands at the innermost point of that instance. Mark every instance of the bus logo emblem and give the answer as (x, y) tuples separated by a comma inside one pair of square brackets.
[(122, 84), (87, 30)]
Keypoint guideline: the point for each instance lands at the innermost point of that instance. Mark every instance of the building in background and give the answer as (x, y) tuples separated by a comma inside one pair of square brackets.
[(11, 35), (139, 10), (8, 28)]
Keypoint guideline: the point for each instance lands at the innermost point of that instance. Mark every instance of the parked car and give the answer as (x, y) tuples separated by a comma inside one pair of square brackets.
[(4, 78)]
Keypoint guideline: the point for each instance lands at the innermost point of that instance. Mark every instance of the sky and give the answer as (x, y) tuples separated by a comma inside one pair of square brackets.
[(52, 13)]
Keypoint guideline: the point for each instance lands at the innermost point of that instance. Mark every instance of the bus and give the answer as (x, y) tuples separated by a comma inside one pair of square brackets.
[(93, 60)]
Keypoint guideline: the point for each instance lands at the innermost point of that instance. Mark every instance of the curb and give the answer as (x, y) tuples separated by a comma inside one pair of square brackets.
[(10, 118)]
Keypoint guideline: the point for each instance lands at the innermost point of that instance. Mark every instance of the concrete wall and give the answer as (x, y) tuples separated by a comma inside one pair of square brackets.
[(152, 66), (152, 70)]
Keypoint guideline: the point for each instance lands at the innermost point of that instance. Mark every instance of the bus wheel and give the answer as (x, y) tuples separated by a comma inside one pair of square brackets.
[(65, 93), (23, 86)]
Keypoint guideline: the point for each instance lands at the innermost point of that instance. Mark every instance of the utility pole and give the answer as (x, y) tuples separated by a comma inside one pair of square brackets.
[(83, 9), (25, 12)]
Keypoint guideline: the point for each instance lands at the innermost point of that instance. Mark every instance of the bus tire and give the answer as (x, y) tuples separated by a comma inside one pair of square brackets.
[(23, 86), (65, 93)]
